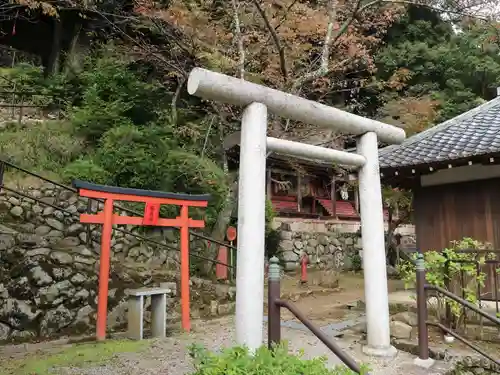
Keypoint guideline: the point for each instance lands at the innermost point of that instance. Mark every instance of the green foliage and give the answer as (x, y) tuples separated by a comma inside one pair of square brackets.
[(424, 57), (85, 170), (22, 77), (238, 360), (124, 117), (149, 158), (273, 239), (46, 146), (445, 269), (114, 95), (135, 157), (273, 236), (356, 261), (57, 92), (270, 215), (400, 199)]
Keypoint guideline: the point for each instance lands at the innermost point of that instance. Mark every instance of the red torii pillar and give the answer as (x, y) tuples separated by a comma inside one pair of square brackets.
[(153, 201)]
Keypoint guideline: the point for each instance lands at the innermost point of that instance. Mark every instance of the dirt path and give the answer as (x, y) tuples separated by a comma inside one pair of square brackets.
[(326, 305), (170, 356)]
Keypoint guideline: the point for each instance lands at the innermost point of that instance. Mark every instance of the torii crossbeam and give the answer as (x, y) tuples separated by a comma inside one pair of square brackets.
[(153, 201)]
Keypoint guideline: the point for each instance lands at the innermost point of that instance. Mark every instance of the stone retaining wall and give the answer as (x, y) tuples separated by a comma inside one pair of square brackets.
[(49, 268), (328, 244)]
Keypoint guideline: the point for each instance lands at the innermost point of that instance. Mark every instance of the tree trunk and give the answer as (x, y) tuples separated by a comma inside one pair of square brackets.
[(391, 229), (221, 224), (71, 58), (52, 66)]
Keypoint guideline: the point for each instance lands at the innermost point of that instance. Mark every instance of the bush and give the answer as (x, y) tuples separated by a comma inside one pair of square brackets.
[(452, 270), (22, 77), (356, 261), (122, 116), (273, 239), (46, 146), (86, 170), (238, 360), (57, 91), (113, 94), (135, 157), (149, 158)]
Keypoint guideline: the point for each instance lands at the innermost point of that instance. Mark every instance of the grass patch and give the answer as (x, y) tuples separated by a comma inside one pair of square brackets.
[(78, 355), (48, 145)]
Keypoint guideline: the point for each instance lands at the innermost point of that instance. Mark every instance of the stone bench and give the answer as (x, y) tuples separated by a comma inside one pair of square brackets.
[(158, 311)]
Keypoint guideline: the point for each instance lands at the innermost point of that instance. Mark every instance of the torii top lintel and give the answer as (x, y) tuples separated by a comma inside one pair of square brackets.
[(153, 200), (231, 90)]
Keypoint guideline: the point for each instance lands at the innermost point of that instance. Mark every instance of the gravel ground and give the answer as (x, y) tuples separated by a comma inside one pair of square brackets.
[(170, 357)]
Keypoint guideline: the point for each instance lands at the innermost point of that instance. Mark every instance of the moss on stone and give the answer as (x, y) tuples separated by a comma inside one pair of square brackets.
[(75, 356)]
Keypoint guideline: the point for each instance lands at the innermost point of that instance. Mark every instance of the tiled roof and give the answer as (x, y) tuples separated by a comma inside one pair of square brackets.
[(476, 132)]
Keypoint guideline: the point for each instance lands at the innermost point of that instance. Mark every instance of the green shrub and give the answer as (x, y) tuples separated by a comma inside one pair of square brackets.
[(356, 261), (149, 158), (238, 360), (273, 239), (113, 95), (93, 120), (86, 170), (57, 91), (45, 146), (135, 157), (22, 77), (270, 215), (453, 270), (122, 116)]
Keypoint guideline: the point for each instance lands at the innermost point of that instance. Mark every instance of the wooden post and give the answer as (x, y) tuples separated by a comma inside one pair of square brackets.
[(2, 171), (102, 299), (333, 195), (313, 195), (221, 268), (356, 200), (273, 314), (186, 323), (423, 340), (269, 186), (448, 316), (299, 191), (20, 119)]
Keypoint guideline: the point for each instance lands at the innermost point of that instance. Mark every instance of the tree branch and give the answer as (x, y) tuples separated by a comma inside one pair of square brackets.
[(207, 134), (284, 17), (239, 38), (325, 54), (275, 38), (175, 99), (357, 9), (142, 46), (330, 39)]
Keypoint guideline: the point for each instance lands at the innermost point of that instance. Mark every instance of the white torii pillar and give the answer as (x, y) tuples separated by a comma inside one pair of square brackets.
[(258, 100)]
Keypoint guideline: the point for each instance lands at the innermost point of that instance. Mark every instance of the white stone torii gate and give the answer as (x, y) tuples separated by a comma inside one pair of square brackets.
[(254, 144)]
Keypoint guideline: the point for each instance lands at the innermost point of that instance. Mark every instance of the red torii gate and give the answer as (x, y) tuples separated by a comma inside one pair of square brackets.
[(153, 201)]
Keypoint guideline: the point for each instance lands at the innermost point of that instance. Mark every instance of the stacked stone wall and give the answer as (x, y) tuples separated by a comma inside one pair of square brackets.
[(328, 244), (49, 266)]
